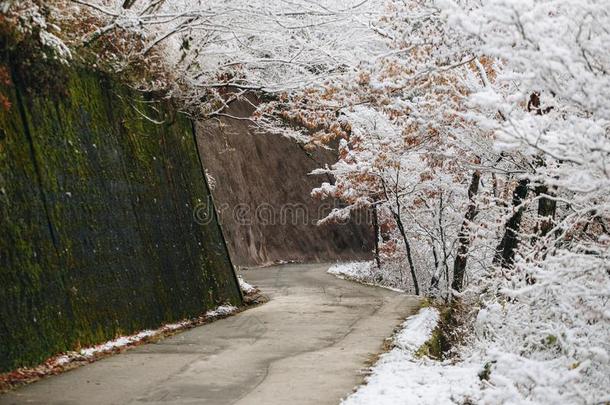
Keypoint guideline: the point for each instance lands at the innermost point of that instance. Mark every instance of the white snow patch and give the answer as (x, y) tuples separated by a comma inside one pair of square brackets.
[(222, 310), (401, 378), (246, 287), (61, 360), (417, 329), (61, 50), (351, 269), (123, 341), (362, 272), (175, 326), (118, 343)]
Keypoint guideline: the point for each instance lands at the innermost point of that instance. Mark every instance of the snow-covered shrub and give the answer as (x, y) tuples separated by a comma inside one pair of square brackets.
[(520, 93), (544, 326), (33, 51), (29, 19)]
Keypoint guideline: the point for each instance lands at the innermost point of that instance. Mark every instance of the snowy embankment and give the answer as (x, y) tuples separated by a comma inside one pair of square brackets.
[(519, 351), (366, 273), (124, 341), (400, 377)]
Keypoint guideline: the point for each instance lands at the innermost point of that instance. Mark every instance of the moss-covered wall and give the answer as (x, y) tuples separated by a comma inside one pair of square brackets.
[(97, 233)]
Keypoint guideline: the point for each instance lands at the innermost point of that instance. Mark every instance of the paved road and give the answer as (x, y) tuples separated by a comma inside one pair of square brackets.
[(307, 345)]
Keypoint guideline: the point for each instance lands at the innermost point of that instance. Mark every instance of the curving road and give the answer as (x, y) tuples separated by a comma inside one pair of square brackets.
[(307, 345)]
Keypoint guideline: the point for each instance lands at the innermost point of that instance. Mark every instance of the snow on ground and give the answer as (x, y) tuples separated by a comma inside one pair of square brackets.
[(118, 343), (365, 273), (222, 310), (417, 329), (246, 287), (130, 340), (123, 341), (400, 378), (549, 346), (68, 360), (354, 270)]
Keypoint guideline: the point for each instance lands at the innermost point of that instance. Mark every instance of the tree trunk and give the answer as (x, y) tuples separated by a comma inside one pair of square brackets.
[(128, 3), (459, 265), (441, 232), (546, 206), (376, 235), (546, 214), (438, 267), (401, 228), (546, 211), (505, 252), (437, 271)]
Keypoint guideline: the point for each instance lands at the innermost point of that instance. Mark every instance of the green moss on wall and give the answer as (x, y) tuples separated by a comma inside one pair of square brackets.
[(97, 234)]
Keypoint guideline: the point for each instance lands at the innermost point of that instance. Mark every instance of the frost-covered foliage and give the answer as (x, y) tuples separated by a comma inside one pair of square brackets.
[(548, 328), (416, 185), (405, 150), (209, 53), (31, 19), (515, 99)]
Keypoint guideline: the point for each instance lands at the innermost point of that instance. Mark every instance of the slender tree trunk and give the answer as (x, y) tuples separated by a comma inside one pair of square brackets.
[(437, 272), (546, 211), (459, 265), (546, 206), (401, 228), (505, 252), (438, 266), (441, 232), (546, 214), (376, 235), (128, 3)]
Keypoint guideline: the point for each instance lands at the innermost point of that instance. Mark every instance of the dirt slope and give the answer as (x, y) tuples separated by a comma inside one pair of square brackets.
[(261, 188)]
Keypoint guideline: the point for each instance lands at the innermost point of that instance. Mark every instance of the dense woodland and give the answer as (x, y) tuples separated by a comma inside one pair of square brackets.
[(476, 132)]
